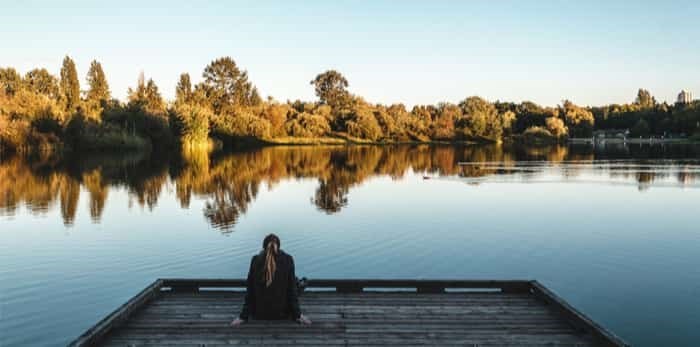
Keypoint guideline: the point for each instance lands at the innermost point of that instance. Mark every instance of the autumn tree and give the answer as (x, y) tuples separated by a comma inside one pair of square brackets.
[(443, 128), (97, 95), (307, 125), (557, 127), (242, 124), (276, 114), (480, 119), (183, 90), (69, 86), (331, 88), (579, 120), (362, 123), (508, 119), (529, 114), (644, 99), (40, 81), (147, 97), (409, 126), (387, 122), (98, 87), (10, 81)]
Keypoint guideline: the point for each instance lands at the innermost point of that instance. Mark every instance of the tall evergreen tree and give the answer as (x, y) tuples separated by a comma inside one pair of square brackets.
[(99, 88), (153, 98), (69, 85), (138, 94), (146, 97), (183, 90)]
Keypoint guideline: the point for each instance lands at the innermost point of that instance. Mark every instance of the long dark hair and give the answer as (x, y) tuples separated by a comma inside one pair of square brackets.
[(271, 246)]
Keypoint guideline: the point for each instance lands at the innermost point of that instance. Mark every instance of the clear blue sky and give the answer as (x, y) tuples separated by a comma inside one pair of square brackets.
[(592, 52)]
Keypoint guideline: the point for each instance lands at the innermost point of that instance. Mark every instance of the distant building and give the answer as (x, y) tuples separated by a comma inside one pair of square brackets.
[(684, 97)]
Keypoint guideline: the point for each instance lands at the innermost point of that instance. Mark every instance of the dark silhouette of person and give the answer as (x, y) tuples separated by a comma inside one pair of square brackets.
[(271, 292)]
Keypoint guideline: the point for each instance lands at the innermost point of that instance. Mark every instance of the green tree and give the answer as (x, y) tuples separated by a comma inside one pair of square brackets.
[(227, 87), (528, 114), (331, 88), (193, 123), (98, 91), (40, 81), (69, 86)]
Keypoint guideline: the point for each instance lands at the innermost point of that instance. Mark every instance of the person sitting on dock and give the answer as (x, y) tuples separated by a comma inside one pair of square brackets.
[(271, 292)]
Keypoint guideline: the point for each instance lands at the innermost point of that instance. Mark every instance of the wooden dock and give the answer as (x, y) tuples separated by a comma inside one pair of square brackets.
[(197, 312)]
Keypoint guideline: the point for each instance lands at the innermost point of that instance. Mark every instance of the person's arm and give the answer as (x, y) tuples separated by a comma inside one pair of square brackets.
[(249, 303), (292, 292)]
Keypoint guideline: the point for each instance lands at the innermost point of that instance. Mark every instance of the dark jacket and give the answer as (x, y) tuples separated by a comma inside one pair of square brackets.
[(278, 301)]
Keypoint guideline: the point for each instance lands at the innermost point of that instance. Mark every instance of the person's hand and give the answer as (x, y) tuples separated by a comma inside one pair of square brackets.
[(237, 322), (304, 320)]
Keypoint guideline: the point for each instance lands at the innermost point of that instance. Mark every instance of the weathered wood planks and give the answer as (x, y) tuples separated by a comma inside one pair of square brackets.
[(194, 312)]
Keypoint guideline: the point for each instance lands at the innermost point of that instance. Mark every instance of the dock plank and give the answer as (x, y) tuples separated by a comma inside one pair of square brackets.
[(361, 319), (184, 315)]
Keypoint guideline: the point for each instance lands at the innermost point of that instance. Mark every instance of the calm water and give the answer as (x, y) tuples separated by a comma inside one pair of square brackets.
[(613, 230)]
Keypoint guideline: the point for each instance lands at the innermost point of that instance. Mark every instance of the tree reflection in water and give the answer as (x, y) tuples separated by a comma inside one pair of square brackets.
[(230, 182)]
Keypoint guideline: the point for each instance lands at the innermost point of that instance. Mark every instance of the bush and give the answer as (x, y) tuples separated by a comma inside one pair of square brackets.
[(18, 135), (192, 123), (242, 124), (136, 120), (112, 139), (307, 125), (27, 105), (13, 133), (556, 127), (364, 125)]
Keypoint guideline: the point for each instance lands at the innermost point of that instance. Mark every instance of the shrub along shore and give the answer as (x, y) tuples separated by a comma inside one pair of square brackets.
[(43, 112)]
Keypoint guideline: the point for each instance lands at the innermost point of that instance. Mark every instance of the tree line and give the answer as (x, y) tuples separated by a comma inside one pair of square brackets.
[(43, 111)]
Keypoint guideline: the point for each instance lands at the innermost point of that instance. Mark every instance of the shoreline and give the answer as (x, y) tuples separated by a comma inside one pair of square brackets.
[(634, 141), (349, 141)]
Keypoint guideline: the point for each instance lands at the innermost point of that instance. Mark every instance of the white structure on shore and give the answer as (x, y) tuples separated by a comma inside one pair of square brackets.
[(684, 97)]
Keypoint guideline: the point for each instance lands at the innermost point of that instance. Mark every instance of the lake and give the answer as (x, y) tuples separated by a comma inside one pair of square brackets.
[(613, 230)]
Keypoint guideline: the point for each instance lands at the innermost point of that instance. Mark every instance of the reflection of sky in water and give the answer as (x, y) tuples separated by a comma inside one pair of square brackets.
[(626, 258)]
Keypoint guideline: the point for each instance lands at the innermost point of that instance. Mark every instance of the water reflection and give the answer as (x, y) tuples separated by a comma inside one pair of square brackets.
[(230, 182)]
